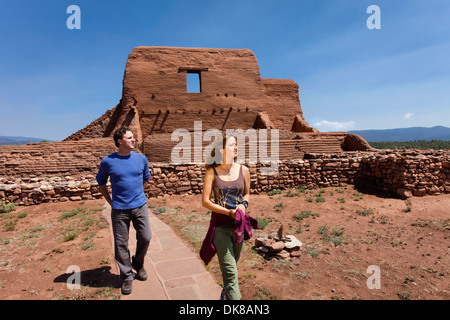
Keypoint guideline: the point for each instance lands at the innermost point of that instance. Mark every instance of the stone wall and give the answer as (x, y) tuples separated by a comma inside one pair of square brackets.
[(49, 159), (408, 173), (29, 191), (399, 173)]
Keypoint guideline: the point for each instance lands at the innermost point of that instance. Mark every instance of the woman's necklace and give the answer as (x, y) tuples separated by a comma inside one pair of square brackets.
[(229, 171)]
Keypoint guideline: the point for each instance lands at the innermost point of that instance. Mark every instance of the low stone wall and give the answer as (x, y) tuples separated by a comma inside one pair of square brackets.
[(400, 173), (29, 191), (408, 173)]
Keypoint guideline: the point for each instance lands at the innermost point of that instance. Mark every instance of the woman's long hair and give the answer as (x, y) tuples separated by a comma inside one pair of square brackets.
[(214, 158)]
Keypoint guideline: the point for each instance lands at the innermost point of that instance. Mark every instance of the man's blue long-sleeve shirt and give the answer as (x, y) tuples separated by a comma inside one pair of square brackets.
[(127, 174)]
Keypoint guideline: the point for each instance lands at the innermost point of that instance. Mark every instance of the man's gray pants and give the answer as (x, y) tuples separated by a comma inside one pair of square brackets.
[(121, 225)]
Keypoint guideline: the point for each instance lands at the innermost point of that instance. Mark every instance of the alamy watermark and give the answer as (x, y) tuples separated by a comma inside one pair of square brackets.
[(374, 280), (74, 280), (74, 20), (186, 152), (374, 21)]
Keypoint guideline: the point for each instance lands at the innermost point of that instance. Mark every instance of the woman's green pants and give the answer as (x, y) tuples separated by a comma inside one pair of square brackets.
[(228, 252)]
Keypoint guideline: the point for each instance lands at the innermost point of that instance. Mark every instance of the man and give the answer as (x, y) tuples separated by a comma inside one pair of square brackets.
[(129, 174)]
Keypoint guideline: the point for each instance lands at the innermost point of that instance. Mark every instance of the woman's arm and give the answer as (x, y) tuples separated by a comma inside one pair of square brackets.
[(206, 195), (246, 197)]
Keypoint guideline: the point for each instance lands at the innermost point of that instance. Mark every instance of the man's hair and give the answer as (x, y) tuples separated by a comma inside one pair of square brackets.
[(118, 134)]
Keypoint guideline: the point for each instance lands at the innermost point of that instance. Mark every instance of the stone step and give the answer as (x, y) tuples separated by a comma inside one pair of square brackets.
[(323, 145)]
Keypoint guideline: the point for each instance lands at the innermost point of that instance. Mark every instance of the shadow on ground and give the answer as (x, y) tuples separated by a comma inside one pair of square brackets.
[(95, 278)]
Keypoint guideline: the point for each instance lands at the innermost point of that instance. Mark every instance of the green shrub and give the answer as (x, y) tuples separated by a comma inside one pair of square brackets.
[(69, 236), (320, 199), (302, 215), (71, 213), (279, 207), (5, 208), (274, 192), (10, 225), (364, 212), (263, 222)]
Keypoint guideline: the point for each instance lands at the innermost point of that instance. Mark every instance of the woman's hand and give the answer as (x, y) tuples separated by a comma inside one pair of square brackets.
[(242, 207)]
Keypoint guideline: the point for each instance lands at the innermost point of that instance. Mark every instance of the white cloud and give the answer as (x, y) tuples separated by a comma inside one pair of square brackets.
[(408, 115), (325, 125)]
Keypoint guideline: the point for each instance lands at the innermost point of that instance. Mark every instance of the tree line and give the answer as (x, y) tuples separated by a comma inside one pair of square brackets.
[(416, 144)]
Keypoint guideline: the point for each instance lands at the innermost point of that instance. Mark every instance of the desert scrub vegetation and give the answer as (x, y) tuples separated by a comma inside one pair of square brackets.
[(10, 224), (408, 204), (312, 251), (274, 192), (160, 210), (364, 212), (193, 232), (263, 222), (299, 217), (305, 214), (80, 220), (8, 218), (358, 196), (263, 293), (6, 207), (279, 207), (335, 236), (320, 199), (71, 213)]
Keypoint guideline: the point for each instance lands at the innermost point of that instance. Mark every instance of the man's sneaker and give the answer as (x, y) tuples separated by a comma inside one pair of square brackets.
[(141, 273), (127, 286)]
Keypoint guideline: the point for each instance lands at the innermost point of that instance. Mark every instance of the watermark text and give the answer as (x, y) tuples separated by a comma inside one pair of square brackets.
[(190, 149)]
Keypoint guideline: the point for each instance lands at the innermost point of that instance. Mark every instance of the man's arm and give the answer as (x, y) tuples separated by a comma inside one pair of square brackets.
[(147, 174), (105, 193), (102, 178)]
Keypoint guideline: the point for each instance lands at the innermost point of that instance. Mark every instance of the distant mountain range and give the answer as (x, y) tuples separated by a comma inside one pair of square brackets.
[(8, 140), (382, 135), (405, 134)]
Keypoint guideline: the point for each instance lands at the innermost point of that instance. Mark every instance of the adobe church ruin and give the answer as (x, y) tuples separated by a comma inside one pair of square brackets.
[(231, 95)]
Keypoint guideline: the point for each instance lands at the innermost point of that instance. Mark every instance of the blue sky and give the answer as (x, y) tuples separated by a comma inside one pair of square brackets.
[(55, 81)]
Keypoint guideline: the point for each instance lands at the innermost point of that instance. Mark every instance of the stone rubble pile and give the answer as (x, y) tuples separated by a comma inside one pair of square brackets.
[(279, 246)]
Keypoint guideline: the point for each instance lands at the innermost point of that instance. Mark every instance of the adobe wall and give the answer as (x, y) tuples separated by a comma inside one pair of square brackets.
[(155, 102), (399, 173), (232, 91), (233, 94)]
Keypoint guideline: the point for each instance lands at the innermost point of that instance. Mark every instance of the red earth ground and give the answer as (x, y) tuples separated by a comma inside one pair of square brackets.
[(344, 232)]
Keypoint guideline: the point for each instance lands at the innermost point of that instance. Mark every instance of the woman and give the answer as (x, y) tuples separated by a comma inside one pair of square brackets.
[(230, 183)]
